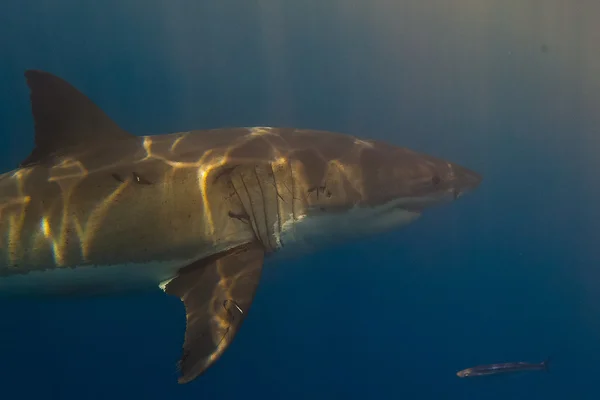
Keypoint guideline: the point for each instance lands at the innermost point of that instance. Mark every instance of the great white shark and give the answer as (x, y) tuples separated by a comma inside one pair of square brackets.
[(95, 209)]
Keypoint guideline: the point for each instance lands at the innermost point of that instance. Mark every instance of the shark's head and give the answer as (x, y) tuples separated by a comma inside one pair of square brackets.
[(400, 178), (371, 187)]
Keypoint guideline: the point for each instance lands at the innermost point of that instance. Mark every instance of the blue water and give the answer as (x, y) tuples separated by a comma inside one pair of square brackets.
[(508, 273)]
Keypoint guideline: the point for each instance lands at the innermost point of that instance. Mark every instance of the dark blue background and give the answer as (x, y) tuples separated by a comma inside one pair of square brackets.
[(508, 273)]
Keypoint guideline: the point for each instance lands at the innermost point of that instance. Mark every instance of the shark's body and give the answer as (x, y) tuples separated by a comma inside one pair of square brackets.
[(96, 209)]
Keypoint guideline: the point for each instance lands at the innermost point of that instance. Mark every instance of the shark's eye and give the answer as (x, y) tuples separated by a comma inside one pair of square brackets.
[(436, 180)]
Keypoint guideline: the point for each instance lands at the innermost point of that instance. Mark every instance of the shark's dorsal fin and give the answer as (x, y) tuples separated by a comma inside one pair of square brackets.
[(64, 118), (217, 293)]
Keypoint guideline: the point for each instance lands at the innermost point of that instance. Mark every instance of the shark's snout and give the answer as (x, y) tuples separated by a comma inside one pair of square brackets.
[(465, 179)]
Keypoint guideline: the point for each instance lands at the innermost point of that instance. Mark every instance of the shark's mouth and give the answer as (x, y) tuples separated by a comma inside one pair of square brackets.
[(419, 204), (410, 204)]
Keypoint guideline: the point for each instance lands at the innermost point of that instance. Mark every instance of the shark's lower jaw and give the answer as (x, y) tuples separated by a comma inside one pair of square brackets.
[(317, 229)]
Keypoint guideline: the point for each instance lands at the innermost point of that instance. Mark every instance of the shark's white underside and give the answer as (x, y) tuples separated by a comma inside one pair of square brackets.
[(320, 229), (304, 234), (90, 279)]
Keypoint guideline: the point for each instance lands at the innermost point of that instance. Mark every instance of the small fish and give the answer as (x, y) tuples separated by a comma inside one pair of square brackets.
[(502, 368)]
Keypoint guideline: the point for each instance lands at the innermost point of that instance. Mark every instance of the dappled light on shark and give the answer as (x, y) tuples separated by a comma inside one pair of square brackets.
[(95, 209)]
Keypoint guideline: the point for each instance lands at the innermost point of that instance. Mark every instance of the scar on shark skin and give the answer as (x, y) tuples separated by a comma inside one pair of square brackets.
[(140, 179), (230, 315), (228, 306), (136, 178)]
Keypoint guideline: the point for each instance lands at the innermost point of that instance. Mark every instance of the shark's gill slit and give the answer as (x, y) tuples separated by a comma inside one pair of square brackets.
[(224, 171), (278, 197), (251, 212), (293, 191), (243, 216), (263, 200), (321, 189)]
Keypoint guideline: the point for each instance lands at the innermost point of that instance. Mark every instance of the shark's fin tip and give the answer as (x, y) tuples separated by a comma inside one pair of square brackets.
[(217, 294)]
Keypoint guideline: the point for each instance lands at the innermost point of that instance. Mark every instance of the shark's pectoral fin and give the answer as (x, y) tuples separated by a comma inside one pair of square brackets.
[(65, 118), (217, 294)]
